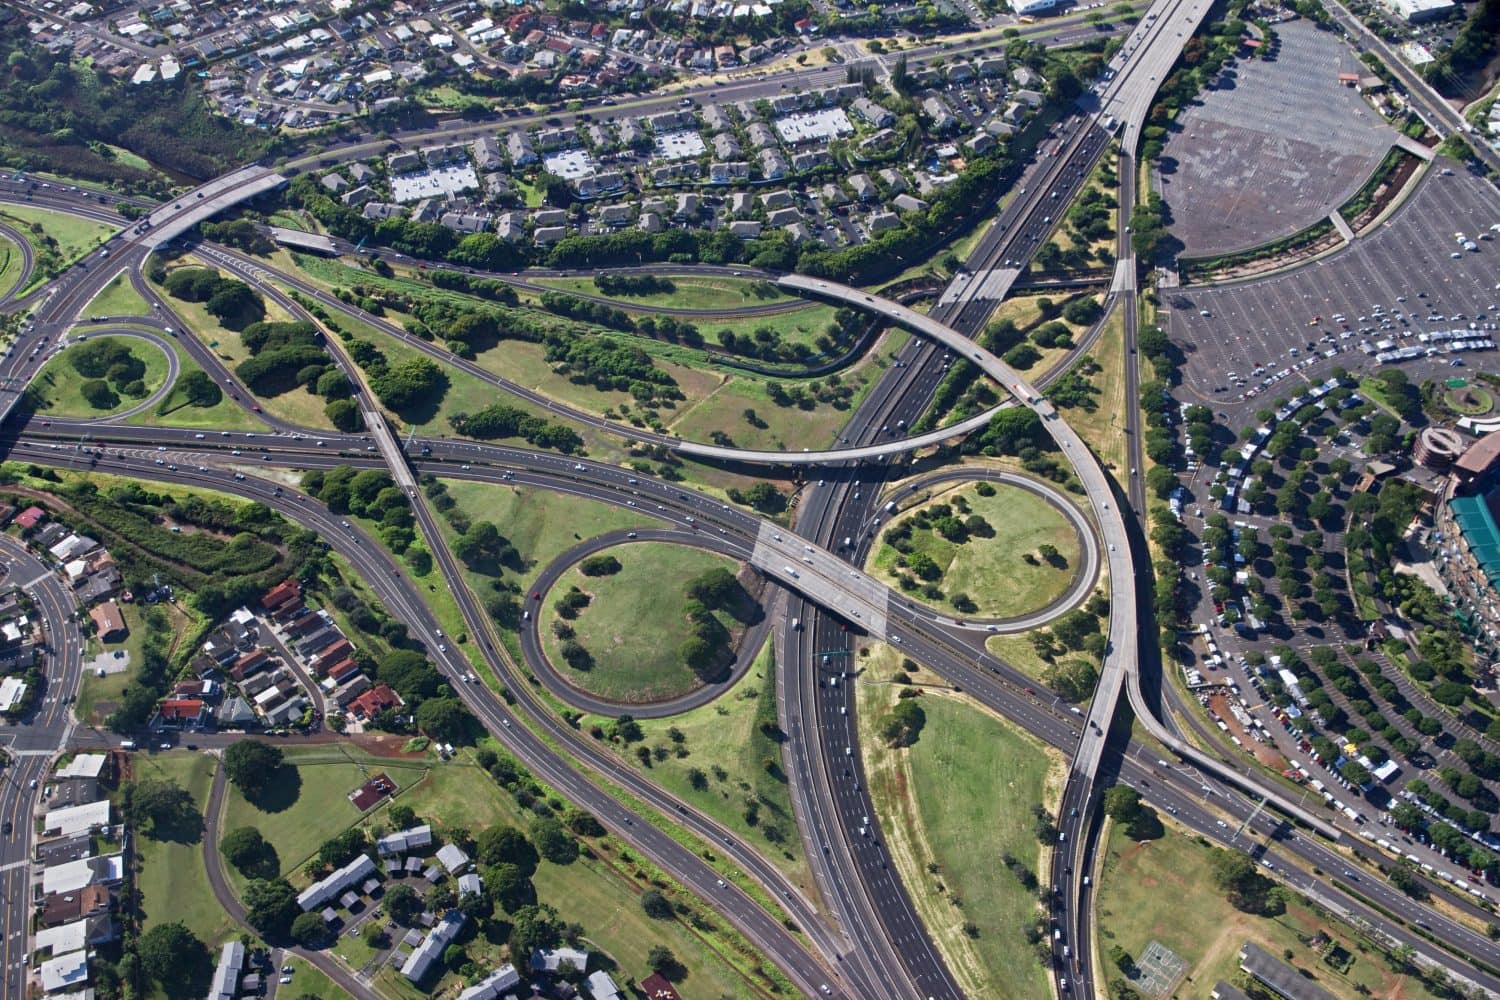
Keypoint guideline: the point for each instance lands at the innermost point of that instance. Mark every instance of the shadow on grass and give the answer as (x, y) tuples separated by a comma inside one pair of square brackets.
[(281, 792)]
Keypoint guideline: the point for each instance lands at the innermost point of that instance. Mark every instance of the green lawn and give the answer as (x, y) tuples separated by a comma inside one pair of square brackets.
[(600, 893), (541, 524), (724, 744), (993, 572), (119, 298), (692, 292), (60, 383), (1103, 429), (961, 797), (1019, 653), (10, 265), (172, 881), (1163, 890), (309, 982), (297, 406), (782, 428), (74, 235), (636, 623), (98, 696), (309, 802)]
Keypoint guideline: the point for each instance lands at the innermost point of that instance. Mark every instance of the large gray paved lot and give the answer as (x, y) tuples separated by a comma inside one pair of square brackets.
[(1406, 268), (1275, 150)]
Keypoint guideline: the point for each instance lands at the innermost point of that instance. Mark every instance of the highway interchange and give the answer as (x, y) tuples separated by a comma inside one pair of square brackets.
[(874, 945)]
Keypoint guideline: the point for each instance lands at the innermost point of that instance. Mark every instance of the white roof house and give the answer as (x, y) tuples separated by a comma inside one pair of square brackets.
[(74, 875), (602, 987), (12, 692), (320, 892), (65, 971), (551, 960), (452, 857), (63, 939), (493, 985), (430, 951), (470, 885), (85, 765), (403, 841), (76, 819)]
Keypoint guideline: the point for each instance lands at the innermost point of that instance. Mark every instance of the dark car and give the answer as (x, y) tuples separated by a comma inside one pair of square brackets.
[(5, 828)]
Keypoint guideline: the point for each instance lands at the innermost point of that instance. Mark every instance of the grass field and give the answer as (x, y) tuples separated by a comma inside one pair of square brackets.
[(636, 623), (723, 743), (61, 384), (992, 571), (309, 802), (1163, 890), (172, 881), (97, 696), (1018, 652), (692, 292), (1104, 428), (10, 265), (309, 982), (540, 523), (960, 797), (118, 298), (297, 406), (75, 236), (600, 893)]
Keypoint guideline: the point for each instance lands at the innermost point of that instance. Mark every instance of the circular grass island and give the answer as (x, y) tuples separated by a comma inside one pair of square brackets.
[(101, 377), (1470, 400), (986, 550), (647, 621)]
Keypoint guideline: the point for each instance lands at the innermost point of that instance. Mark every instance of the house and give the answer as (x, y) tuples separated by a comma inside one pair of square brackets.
[(864, 188), (908, 203), (78, 819), (414, 838), (355, 197), (333, 885), (687, 206), (227, 973), (894, 180), (281, 594), (518, 148), (772, 165), (29, 518), (745, 229), (942, 118), (72, 547), (493, 986), (430, 951), (726, 173), (650, 222), (784, 217), (76, 904), (602, 987), (453, 858), (551, 959), (773, 200), (73, 876), (760, 135), (872, 113), (343, 671), (186, 714), (470, 885), (726, 146), (810, 159), (881, 221), (236, 712), (486, 150), (1278, 977), (109, 622), (65, 973), (249, 665), (345, 693), (980, 142), (547, 235), (374, 701)]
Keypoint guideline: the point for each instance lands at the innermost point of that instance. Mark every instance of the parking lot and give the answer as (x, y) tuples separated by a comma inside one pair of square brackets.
[(1273, 150), (1412, 276)]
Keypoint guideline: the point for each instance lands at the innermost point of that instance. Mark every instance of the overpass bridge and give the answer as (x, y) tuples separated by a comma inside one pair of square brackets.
[(179, 215), (1122, 658)]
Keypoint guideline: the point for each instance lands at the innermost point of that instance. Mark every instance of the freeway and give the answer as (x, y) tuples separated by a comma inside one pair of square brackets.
[(984, 678), (28, 262)]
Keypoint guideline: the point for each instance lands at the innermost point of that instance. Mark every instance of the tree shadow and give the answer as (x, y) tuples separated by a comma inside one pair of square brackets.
[(281, 792)]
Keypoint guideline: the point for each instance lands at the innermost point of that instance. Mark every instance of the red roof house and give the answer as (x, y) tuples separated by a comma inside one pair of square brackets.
[(31, 517), (374, 701), (181, 713)]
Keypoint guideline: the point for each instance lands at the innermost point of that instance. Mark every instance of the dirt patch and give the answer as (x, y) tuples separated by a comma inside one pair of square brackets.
[(1264, 753)]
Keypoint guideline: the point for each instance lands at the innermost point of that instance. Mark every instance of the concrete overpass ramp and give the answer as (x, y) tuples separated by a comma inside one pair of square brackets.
[(181, 214)]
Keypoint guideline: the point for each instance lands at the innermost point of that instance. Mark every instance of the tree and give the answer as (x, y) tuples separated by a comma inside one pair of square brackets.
[(553, 842), (509, 886), (655, 905), (97, 393), (533, 927), (1122, 803), (251, 853), (271, 906), (403, 903), (603, 564), (344, 415), (308, 930), (506, 844), (199, 388), (444, 719), (165, 809), (661, 960), (171, 955), (344, 848), (251, 765)]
